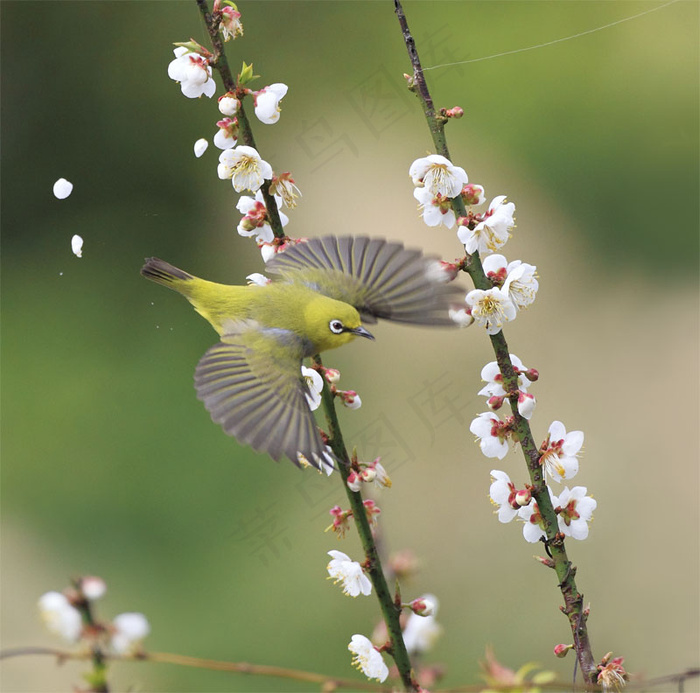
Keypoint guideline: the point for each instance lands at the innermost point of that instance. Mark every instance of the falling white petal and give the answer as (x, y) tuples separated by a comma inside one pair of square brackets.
[(200, 146), (62, 188), (76, 244)]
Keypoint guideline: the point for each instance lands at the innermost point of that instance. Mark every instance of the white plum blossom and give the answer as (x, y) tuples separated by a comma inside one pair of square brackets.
[(284, 186), (491, 375), (421, 632), (521, 283), (62, 188), (226, 136), (267, 102), (314, 386), (244, 166), (255, 221), (492, 434), (491, 308), (343, 569), (438, 175), (231, 26), (492, 229), (502, 493), (76, 245), (436, 209), (518, 279), (193, 72), (533, 529), (559, 457), (200, 146), (461, 317), (129, 630), (229, 104), (367, 658), (576, 512), (60, 616)]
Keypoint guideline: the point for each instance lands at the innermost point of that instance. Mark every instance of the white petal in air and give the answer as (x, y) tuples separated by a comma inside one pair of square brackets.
[(76, 244), (62, 188), (200, 146)]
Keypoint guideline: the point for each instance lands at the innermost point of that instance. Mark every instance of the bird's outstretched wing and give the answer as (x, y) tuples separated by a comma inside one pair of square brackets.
[(251, 384), (381, 279)]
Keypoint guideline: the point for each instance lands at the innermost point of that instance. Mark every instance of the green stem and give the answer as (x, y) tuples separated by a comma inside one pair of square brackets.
[(573, 599), (390, 609), (220, 63)]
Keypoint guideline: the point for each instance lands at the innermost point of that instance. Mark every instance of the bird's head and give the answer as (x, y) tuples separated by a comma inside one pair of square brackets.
[(332, 323)]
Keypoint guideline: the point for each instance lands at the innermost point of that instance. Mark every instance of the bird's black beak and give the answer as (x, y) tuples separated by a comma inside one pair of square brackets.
[(362, 332)]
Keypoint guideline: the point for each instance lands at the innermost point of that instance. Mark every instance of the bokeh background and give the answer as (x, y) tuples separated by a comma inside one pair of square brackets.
[(111, 466)]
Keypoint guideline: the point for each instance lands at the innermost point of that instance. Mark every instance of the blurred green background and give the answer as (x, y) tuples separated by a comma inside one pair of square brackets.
[(110, 465)]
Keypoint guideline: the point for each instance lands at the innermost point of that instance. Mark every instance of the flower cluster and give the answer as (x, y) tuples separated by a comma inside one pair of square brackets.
[(239, 163), (365, 473), (514, 285), (70, 615), (558, 457)]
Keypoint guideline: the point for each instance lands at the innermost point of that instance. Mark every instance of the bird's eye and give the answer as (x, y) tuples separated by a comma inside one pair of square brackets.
[(336, 326)]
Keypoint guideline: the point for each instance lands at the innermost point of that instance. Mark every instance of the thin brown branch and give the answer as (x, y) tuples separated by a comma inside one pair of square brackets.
[(573, 599), (220, 63)]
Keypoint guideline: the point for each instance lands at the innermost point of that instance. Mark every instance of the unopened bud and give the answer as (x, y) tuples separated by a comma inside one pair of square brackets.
[(473, 194), (92, 587), (562, 650), (523, 497), (455, 112), (368, 475), (354, 481), (229, 104), (248, 224), (332, 375), (548, 562), (350, 399), (422, 607), (532, 374), (495, 402), (526, 404)]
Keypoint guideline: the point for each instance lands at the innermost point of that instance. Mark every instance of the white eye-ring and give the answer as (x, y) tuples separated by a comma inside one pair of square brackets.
[(336, 326)]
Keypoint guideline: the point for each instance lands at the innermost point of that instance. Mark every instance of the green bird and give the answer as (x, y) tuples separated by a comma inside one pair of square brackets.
[(251, 381)]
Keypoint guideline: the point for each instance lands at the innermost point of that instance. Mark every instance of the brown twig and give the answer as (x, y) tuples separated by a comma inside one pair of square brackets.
[(220, 63), (573, 599)]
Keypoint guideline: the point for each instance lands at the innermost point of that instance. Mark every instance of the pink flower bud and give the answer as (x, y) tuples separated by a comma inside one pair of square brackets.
[(523, 497), (532, 374), (526, 404), (562, 650), (332, 375), (422, 607), (354, 481), (473, 194), (547, 562), (495, 402), (455, 112), (368, 475)]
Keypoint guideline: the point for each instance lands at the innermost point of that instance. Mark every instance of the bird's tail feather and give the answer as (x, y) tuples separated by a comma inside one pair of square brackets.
[(164, 273)]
